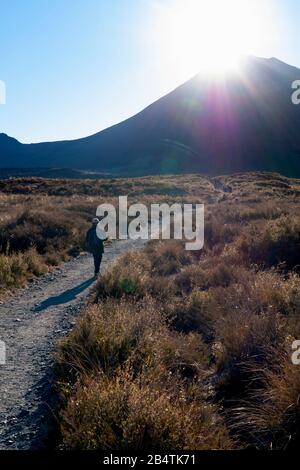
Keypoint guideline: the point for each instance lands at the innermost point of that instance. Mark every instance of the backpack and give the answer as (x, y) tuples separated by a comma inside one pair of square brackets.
[(93, 242)]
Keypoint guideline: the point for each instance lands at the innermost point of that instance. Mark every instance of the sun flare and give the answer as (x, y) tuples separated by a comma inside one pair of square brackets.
[(211, 35)]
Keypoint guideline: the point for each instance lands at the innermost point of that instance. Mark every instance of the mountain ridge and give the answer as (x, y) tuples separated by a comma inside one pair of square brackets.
[(243, 123)]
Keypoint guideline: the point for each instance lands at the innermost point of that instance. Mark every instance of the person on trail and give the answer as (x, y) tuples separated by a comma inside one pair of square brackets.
[(95, 245)]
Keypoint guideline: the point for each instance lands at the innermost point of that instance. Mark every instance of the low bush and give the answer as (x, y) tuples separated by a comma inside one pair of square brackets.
[(270, 418), (277, 244), (132, 383), (17, 268), (138, 414)]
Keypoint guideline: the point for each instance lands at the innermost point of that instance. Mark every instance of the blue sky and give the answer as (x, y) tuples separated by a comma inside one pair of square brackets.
[(74, 67)]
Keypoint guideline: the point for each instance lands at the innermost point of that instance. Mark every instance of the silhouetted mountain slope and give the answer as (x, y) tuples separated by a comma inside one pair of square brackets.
[(245, 122)]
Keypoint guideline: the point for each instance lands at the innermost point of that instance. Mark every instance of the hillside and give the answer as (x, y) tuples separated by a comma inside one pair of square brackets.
[(243, 123), (174, 349)]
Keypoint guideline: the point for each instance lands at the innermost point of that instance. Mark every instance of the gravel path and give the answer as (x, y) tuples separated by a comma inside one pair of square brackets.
[(31, 322)]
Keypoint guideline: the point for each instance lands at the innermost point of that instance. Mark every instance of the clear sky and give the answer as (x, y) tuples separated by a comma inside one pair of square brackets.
[(74, 67)]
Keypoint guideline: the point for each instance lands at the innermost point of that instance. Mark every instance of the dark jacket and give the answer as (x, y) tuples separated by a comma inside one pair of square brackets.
[(93, 242)]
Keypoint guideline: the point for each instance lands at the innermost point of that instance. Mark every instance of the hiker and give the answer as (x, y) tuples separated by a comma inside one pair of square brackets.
[(95, 245)]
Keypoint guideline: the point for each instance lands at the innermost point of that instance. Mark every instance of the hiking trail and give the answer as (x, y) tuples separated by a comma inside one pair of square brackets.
[(31, 323)]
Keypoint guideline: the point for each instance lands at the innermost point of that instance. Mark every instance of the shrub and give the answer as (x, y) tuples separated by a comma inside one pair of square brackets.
[(126, 277), (168, 258), (16, 269), (123, 375), (133, 276), (194, 313), (127, 414), (279, 243), (271, 418), (210, 273)]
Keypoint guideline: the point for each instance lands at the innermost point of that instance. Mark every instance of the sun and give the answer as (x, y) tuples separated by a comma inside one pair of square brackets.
[(210, 35)]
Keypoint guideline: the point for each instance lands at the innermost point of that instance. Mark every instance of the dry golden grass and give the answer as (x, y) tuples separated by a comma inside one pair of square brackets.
[(270, 417), (131, 382), (17, 268), (209, 328), (177, 349), (125, 413)]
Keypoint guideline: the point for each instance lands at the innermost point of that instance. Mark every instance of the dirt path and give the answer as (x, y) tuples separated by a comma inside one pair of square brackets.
[(30, 324)]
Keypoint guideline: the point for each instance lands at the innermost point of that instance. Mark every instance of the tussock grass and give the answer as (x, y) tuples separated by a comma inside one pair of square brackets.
[(206, 336), (278, 243), (16, 269), (270, 417), (176, 349), (135, 384), (129, 414)]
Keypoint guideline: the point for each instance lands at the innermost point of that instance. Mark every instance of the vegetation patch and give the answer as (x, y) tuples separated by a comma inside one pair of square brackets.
[(176, 349)]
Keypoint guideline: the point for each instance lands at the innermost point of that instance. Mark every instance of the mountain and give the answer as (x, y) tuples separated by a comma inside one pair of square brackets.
[(243, 122)]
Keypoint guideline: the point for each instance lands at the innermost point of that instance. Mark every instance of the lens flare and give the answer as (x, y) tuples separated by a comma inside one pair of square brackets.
[(210, 36)]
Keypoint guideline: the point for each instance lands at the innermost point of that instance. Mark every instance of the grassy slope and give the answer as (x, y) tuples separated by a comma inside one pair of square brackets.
[(47, 219), (178, 349)]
